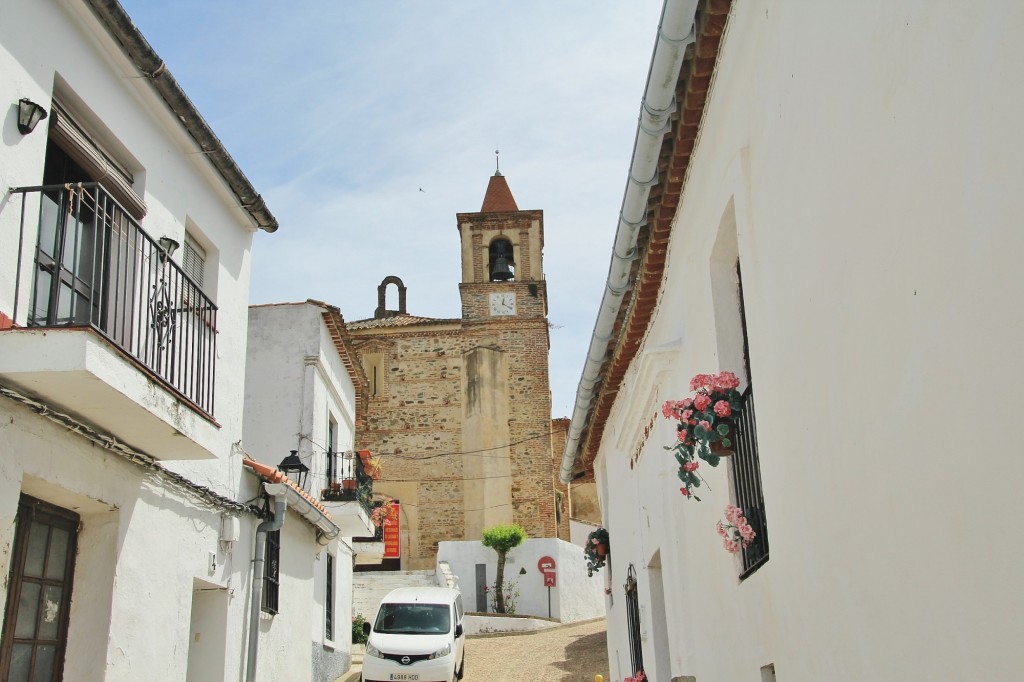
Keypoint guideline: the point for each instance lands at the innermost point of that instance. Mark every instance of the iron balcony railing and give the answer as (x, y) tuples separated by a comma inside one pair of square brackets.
[(347, 481), (95, 267)]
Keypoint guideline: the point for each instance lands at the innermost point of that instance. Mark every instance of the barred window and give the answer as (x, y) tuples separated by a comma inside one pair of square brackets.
[(329, 600), (272, 574)]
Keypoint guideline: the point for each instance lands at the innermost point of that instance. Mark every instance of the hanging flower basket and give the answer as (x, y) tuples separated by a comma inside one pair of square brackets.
[(596, 549), (706, 425)]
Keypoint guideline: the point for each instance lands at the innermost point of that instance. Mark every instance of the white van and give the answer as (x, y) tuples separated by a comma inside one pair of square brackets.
[(417, 636)]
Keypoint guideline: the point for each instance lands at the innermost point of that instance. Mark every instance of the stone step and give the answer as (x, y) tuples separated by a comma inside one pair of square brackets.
[(368, 588)]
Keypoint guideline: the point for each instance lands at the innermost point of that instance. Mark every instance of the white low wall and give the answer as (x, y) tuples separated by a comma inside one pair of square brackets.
[(574, 598), (483, 625)]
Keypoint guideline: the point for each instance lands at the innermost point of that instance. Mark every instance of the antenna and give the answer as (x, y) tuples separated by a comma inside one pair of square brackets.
[(497, 162)]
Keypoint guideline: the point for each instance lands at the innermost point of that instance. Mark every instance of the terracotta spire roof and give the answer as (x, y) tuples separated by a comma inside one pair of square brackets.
[(499, 197)]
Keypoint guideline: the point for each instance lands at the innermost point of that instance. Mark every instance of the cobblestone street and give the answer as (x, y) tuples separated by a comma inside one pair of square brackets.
[(571, 653)]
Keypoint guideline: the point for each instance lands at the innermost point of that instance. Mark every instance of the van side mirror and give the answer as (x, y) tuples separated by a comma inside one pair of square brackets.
[(366, 627), (458, 631)]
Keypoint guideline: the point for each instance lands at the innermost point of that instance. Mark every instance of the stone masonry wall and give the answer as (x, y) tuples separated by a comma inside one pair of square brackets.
[(415, 423)]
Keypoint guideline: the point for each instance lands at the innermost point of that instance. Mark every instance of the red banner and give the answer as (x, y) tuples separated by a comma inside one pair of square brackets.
[(393, 533)]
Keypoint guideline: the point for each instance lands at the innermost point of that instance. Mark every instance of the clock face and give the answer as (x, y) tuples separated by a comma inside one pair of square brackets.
[(503, 303)]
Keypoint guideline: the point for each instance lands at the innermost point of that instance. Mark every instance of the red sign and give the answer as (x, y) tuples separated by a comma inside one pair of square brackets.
[(546, 566), (392, 533)]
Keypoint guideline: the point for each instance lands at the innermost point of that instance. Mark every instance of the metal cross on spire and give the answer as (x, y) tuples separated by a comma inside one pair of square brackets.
[(497, 162)]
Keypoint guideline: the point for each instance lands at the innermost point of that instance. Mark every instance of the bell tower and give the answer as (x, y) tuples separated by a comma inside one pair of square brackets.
[(502, 258)]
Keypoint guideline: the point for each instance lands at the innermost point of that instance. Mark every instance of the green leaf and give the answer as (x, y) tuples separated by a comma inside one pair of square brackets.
[(722, 428)]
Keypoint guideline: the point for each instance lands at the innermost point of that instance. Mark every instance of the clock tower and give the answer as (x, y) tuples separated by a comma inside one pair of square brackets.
[(502, 260)]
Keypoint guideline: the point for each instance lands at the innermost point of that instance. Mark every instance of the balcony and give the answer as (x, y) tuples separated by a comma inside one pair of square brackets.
[(115, 331), (348, 493)]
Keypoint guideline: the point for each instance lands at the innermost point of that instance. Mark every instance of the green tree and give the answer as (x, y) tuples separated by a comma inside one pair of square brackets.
[(502, 539)]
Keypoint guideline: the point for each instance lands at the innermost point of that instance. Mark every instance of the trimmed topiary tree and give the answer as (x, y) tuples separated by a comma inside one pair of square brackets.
[(502, 539)]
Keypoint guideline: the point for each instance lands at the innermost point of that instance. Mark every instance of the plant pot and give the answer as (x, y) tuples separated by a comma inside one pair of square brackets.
[(723, 451), (349, 483), (601, 549)]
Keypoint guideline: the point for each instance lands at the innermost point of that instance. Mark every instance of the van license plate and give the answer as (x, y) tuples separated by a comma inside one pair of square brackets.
[(403, 676)]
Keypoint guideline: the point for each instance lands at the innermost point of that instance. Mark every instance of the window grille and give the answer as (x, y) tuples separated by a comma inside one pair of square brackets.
[(329, 615), (746, 479), (636, 652), (272, 573)]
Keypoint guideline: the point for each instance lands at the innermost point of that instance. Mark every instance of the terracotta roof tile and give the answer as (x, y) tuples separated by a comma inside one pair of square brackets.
[(397, 321), (498, 198), (274, 475)]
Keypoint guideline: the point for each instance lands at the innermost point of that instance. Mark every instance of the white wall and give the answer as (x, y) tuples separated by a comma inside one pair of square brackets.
[(144, 545), (869, 153), (139, 553), (81, 62), (575, 597)]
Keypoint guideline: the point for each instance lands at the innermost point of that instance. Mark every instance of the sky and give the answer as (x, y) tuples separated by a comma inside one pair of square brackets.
[(368, 125)]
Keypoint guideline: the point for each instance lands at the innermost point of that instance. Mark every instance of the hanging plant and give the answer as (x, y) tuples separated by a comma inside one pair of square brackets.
[(596, 550), (706, 425)]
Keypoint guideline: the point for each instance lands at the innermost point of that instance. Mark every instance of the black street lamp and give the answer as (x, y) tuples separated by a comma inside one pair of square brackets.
[(292, 467)]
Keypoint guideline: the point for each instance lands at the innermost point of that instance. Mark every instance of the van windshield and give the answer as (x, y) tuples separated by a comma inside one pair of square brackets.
[(413, 619)]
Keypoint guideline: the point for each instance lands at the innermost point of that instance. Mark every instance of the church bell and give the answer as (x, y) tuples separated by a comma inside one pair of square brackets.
[(500, 271)]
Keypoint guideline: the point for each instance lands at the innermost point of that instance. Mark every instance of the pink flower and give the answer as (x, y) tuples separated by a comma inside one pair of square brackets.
[(722, 409), (682, 436), (721, 529), (747, 532), (691, 466), (685, 415), (726, 381), (731, 546), (685, 403), (685, 492), (701, 402), (704, 424)]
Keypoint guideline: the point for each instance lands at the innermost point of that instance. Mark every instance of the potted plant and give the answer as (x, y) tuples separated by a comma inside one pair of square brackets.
[(736, 532), (382, 512), (706, 426), (596, 550)]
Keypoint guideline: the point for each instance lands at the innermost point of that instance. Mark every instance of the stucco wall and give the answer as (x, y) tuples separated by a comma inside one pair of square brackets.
[(574, 598), (877, 218)]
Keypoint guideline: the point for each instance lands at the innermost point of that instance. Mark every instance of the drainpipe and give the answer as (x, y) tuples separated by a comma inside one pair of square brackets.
[(277, 492), (676, 30)]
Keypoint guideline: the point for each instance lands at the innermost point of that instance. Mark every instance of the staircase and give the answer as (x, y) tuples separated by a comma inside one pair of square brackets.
[(369, 587)]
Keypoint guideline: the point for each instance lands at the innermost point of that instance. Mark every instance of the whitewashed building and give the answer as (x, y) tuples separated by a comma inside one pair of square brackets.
[(127, 519), (824, 199), (300, 401)]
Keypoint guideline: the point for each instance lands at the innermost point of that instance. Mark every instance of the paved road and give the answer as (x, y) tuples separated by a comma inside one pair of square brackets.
[(567, 653)]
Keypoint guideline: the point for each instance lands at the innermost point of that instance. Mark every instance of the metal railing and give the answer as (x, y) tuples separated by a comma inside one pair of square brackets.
[(746, 475), (94, 266), (347, 480)]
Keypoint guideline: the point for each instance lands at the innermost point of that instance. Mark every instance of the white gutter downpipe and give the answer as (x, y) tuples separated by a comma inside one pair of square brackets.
[(676, 30), (278, 491)]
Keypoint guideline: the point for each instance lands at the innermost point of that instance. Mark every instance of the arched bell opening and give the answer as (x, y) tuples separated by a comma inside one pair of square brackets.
[(501, 266)]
